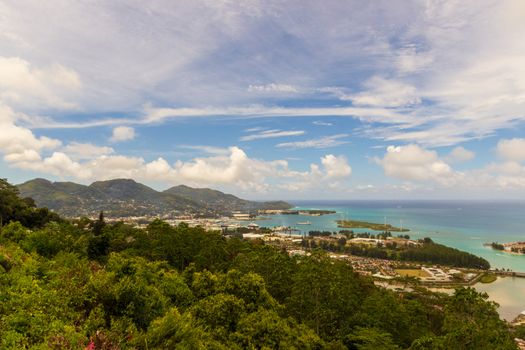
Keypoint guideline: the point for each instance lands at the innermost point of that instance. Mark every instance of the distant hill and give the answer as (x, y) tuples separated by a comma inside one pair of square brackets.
[(218, 199), (125, 197)]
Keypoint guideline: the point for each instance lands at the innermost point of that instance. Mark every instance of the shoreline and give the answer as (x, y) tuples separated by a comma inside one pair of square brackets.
[(440, 220)]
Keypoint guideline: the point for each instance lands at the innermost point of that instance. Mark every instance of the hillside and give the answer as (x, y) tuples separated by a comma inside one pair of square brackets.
[(125, 197), (222, 201)]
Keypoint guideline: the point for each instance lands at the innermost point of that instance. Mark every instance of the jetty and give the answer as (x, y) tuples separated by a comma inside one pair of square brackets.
[(509, 273)]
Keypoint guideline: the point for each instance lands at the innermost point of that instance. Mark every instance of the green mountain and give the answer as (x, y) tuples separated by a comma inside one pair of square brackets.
[(125, 197), (223, 201)]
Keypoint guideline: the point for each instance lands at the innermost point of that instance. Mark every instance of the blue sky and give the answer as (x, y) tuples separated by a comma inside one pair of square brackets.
[(268, 99)]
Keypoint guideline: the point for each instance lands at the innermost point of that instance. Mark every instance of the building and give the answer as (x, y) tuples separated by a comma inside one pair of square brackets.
[(237, 215)]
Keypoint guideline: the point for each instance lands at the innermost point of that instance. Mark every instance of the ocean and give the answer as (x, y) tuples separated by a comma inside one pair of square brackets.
[(464, 225)]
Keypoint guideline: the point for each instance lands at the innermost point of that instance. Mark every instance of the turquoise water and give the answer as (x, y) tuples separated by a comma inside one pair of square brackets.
[(465, 225), (509, 293)]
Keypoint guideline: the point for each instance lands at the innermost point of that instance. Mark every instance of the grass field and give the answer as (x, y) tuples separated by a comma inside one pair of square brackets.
[(488, 278), (412, 272)]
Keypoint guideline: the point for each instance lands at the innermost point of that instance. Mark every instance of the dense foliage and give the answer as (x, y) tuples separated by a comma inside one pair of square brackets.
[(14, 208), (497, 246), (70, 285), (434, 253)]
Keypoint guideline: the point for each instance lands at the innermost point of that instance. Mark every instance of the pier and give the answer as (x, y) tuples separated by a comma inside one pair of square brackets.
[(509, 273)]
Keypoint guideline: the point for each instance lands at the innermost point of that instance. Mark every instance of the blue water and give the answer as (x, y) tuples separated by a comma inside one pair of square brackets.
[(465, 225)]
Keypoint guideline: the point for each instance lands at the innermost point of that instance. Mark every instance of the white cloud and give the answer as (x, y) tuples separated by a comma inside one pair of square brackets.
[(257, 128), (473, 86), (58, 164), (207, 149), (322, 142), (381, 92), (445, 134), (278, 88), (158, 115), (336, 167), (115, 166), (271, 134), (321, 123), (153, 115), (460, 154), (122, 133), (234, 168), (27, 87), (330, 177), (506, 168), (79, 151), (28, 155), (409, 60), (512, 149), (414, 163), (378, 92), (18, 143)]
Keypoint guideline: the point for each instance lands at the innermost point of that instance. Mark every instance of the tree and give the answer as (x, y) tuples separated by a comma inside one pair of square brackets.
[(98, 244), (14, 231), (176, 331), (54, 238), (98, 247), (275, 266), (371, 339), (98, 225), (14, 208), (472, 322), (128, 288), (9, 201), (220, 312), (265, 329), (324, 294)]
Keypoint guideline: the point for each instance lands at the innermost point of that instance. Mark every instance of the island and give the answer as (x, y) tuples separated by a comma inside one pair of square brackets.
[(512, 247), (369, 225), (305, 212)]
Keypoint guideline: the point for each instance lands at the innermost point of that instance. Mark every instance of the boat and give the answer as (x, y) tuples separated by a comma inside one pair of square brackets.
[(304, 223)]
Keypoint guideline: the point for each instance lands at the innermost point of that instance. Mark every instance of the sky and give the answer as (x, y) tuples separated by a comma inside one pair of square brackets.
[(268, 99)]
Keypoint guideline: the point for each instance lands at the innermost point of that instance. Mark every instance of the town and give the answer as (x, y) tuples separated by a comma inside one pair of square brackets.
[(385, 272)]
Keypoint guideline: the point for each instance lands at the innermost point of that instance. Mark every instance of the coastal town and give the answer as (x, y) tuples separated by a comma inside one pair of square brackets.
[(395, 272), (296, 243)]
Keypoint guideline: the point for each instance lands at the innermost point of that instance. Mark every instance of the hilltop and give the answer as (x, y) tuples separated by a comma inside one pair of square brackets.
[(126, 197), (218, 199)]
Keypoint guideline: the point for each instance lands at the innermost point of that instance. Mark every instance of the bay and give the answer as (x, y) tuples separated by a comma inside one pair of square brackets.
[(464, 225)]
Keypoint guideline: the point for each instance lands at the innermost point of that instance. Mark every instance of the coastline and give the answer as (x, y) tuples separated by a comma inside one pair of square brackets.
[(464, 225)]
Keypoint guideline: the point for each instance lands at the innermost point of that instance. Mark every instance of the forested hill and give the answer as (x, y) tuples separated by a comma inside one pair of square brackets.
[(219, 199), (125, 197)]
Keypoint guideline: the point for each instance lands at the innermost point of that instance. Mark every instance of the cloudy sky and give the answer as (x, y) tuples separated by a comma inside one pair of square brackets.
[(268, 99)]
